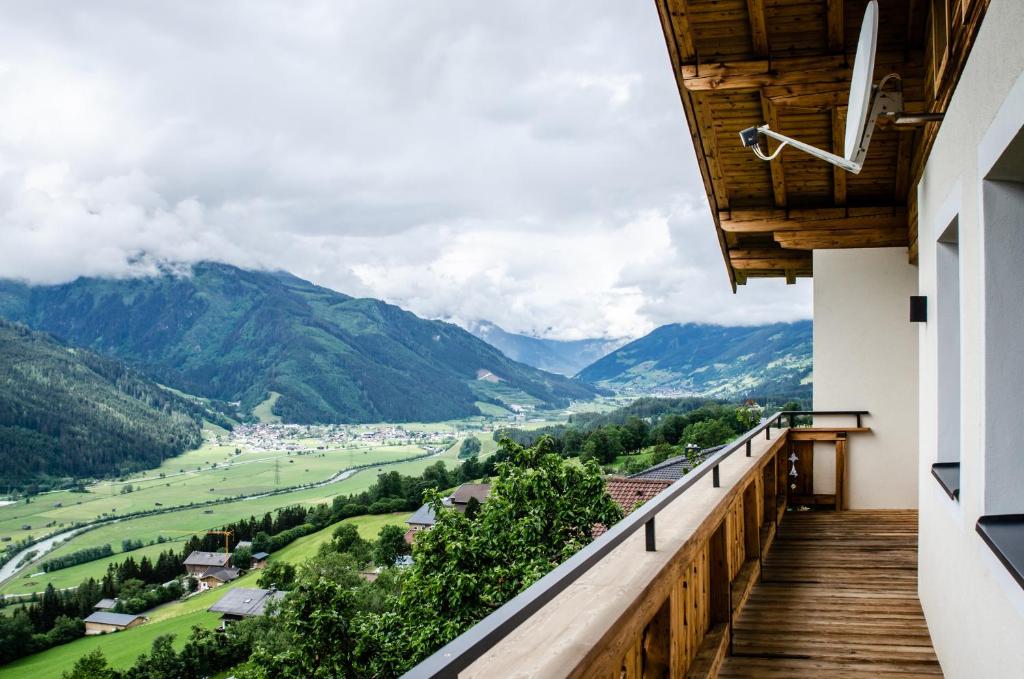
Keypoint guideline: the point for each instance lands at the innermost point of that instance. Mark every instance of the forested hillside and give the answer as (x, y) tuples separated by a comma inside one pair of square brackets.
[(713, 361), (226, 333), (70, 413)]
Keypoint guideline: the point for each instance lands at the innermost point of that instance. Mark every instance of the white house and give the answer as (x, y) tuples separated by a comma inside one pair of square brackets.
[(916, 260)]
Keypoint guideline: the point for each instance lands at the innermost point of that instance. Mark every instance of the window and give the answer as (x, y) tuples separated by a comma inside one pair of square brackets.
[(1003, 238), (948, 321)]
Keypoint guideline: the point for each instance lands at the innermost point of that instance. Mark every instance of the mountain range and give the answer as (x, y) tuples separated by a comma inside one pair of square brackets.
[(565, 357), (313, 354), (68, 412), (711, 360)]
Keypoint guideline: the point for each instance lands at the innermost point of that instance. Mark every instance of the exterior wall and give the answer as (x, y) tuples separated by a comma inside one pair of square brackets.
[(865, 358), (94, 628), (975, 611)]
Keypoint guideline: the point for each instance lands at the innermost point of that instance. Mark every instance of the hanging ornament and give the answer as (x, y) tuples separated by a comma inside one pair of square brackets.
[(792, 457), (792, 472)]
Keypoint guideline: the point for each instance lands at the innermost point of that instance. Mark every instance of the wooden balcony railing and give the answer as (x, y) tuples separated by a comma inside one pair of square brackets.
[(661, 605)]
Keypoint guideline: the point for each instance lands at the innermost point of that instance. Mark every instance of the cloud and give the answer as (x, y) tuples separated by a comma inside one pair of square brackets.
[(526, 163)]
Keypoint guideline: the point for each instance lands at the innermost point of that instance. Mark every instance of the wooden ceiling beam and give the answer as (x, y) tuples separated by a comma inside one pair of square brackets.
[(792, 221), (677, 14), (778, 174), (758, 26), (838, 142), (836, 26), (771, 261), (853, 238), (757, 73)]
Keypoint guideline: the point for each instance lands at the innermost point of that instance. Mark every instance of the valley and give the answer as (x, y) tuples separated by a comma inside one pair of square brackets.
[(250, 471), (142, 414)]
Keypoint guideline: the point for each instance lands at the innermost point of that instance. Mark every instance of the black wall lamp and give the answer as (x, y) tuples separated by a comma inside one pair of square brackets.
[(918, 309)]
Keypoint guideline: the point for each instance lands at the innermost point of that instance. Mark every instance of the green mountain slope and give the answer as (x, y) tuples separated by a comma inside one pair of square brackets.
[(227, 333), (70, 413), (711, 360), (565, 357)]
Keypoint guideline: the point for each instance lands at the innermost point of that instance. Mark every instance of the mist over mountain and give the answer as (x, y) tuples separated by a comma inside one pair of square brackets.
[(565, 357), (711, 360), (222, 332)]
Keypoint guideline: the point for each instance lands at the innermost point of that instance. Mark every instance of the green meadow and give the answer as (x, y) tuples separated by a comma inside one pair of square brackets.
[(179, 617)]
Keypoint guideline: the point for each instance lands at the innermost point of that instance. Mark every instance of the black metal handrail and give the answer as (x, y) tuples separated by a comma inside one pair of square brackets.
[(477, 640)]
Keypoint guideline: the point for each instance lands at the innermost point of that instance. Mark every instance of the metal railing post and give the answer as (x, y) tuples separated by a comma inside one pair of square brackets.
[(714, 477), (649, 534), (748, 447)]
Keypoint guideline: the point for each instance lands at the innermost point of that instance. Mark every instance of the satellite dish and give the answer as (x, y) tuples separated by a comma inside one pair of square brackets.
[(860, 82), (867, 102)]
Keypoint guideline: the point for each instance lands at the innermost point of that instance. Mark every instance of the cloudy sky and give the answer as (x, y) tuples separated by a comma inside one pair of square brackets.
[(525, 163)]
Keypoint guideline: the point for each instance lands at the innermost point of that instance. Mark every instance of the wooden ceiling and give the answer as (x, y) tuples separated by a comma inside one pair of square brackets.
[(787, 63)]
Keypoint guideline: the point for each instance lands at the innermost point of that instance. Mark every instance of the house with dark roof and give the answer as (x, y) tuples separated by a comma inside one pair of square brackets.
[(103, 622), (468, 491), (674, 468), (105, 604), (422, 518), (215, 577), (259, 560), (244, 602), (197, 563)]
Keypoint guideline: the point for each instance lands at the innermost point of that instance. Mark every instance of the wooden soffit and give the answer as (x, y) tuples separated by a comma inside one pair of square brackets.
[(740, 63)]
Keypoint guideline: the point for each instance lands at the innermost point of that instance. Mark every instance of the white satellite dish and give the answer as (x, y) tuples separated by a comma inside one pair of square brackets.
[(867, 102), (860, 82)]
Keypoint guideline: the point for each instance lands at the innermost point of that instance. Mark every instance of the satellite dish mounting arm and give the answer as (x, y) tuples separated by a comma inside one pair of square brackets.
[(883, 103)]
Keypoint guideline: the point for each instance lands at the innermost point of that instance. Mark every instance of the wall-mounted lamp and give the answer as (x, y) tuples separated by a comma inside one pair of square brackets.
[(918, 309)]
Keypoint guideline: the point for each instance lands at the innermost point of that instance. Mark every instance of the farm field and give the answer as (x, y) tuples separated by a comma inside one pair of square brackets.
[(178, 618), (178, 525)]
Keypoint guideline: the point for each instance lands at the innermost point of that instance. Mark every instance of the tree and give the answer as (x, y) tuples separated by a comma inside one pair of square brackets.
[(347, 540), (390, 545), (470, 447), (542, 509), (472, 508), (92, 665), (15, 637), (278, 574), (708, 433), (318, 620), (242, 557), (261, 541), (602, 445)]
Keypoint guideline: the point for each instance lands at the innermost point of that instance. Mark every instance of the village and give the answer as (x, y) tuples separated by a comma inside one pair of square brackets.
[(297, 437)]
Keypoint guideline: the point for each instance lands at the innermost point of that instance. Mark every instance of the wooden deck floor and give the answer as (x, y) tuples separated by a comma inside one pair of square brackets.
[(838, 599)]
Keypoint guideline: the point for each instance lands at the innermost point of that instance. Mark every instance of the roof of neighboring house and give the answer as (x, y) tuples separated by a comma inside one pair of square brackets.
[(207, 559), (628, 493), (246, 601), (463, 493), (244, 544), (222, 574), (260, 556), (105, 604), (424, 516), (118, 619), (675, 467)]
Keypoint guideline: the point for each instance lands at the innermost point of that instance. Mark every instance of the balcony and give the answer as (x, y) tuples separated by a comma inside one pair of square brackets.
[(728, 578)]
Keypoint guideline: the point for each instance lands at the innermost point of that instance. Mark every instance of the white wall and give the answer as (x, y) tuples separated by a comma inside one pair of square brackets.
[(975, 611), (865, 358)]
